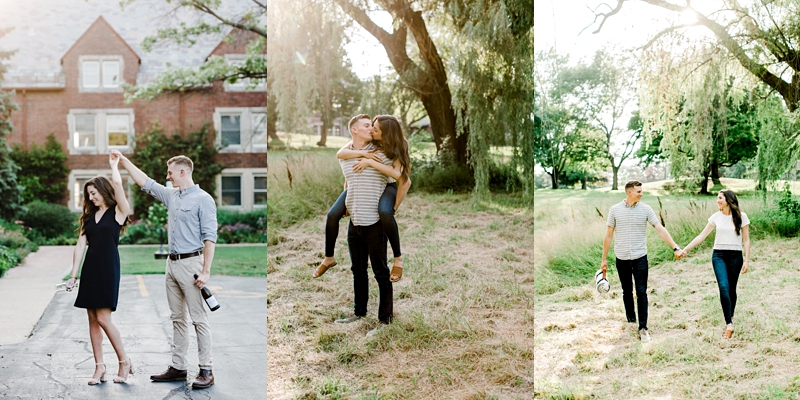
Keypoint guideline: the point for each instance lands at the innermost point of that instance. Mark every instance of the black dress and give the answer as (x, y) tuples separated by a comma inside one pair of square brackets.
[(99, 287)]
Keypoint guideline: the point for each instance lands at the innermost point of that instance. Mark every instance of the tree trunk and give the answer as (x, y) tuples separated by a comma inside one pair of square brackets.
[(715, 173), (615, 181), (704, 183), (583, 183), (429, 82), (272, 117), (554, 178)]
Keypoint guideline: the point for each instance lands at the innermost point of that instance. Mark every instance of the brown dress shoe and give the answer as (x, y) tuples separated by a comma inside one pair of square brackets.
[(204, 379), (170, 375)]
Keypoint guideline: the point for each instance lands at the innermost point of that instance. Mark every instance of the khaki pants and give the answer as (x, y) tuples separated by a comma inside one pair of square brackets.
[(181, 292)]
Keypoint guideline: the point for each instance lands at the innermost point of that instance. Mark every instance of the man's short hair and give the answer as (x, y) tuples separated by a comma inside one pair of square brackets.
[(356, 118), (181, 160), (632, 184)]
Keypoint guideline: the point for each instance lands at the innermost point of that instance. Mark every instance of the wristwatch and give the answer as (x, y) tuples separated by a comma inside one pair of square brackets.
[(674, 249)]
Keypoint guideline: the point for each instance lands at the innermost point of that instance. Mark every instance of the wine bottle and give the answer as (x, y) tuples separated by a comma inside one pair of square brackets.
[(209, 297)]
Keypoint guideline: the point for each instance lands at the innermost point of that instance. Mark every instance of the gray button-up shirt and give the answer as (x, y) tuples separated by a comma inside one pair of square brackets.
[(192, 216)]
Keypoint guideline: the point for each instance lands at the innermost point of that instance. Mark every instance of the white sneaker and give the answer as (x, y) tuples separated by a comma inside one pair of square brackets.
[(644, 335), (352, 318), (375, 331)]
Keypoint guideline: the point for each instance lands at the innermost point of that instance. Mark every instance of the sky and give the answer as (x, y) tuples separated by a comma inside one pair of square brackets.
[(365, 52), (558, 23)]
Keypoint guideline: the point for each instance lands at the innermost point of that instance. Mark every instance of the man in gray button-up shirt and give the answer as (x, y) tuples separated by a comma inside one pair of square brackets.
[(192, 236)]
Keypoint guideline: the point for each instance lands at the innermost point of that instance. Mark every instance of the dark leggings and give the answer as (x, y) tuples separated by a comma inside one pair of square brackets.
[(385, 210)]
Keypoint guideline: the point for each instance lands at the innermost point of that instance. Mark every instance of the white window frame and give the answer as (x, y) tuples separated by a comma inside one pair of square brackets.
[(248, 183), (101, 145), (241, 190), (73, 127), (253, 192), (77, 174), (246, 126), (242, 85), (101, 88)]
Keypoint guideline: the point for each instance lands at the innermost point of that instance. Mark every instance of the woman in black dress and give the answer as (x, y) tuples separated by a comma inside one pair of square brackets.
[(105, 213)]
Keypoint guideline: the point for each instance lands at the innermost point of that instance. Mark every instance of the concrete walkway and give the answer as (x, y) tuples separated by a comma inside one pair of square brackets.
[(56, 360), (27, 290)]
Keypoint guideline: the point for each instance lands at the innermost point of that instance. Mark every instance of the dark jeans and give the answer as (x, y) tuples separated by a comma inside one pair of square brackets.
[(727, 266), (368, 244), (629, 271), (385, 210)]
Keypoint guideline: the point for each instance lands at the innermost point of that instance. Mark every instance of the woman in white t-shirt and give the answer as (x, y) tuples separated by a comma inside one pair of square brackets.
[(732, 236)]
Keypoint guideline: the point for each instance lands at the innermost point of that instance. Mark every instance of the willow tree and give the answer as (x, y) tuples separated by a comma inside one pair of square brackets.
[(494, 61), (10, 190), (763, 38), (308, 68)]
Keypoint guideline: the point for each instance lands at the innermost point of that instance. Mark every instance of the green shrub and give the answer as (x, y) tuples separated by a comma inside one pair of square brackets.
[(50, 220), (43, 171), (255, 219), (8, 259), (140, 233), (240, 233), (504, 177), (432, 177)]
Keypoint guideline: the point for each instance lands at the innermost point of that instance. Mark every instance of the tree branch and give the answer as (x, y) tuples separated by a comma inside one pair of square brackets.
[(249, 27), (603, 15)]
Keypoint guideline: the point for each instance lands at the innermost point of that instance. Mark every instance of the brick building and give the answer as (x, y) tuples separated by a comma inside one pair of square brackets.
[(76, 94)]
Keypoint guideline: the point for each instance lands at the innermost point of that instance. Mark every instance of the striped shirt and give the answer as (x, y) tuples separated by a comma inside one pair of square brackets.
[(630, 225), (364, 189)]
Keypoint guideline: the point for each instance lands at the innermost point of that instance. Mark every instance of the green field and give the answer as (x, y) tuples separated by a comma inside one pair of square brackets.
[(585, 349), (228, 260)]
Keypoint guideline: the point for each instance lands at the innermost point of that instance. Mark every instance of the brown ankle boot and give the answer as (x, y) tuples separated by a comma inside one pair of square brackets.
[(171, 374), (204, 379)]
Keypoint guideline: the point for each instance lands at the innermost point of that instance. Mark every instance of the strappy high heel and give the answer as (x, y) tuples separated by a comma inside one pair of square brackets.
[(94, 381), (120, 379)]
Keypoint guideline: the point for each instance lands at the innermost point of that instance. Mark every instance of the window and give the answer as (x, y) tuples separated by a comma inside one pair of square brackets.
[(77, 191), (98, 130), (118, 129), (231, 132), (100, 73), (241, 129), (84, 135), (110, 74), (259, 129), (91, 74), (260, 190), (231, 190)]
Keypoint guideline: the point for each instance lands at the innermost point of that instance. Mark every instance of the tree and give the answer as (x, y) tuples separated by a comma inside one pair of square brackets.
[(494, 98), (309, 71), (212, 21), (426, 75), (562, 135), (43, 171), (606, 87), (10, 190), (387, 95), (763, 38)]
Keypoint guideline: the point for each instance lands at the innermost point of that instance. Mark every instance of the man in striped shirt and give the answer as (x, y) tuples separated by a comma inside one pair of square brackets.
[(630, 218), (365, 236)]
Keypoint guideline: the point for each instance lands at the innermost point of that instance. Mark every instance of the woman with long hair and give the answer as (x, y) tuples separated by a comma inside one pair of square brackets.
[(105, 214), (387, 135), (732, 236)]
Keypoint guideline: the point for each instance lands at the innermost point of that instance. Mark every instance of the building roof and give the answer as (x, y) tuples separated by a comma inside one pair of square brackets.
[(44, 30)]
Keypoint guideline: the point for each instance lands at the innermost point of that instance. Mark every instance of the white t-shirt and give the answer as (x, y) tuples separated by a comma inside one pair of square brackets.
[(726, 238)]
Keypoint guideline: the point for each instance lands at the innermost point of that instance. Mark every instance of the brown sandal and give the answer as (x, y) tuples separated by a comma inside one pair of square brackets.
[(396, 271), (728, 334), (322, 268)]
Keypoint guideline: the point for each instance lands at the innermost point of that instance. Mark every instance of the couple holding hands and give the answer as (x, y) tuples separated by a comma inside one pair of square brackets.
[(629, 219)]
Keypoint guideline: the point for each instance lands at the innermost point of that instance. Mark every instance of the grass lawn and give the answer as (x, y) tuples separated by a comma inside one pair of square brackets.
[(228, 260)]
